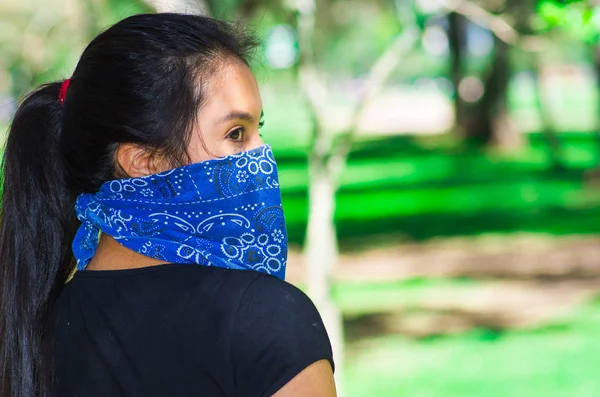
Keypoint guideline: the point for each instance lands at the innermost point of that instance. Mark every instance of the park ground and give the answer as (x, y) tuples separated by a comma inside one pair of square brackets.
[(463, 271)]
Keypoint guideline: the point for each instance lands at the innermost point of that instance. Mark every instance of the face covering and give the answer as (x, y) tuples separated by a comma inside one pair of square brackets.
[(225, 212)]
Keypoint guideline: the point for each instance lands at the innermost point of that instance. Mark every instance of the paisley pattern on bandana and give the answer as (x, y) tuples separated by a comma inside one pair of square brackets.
[(225, 212)]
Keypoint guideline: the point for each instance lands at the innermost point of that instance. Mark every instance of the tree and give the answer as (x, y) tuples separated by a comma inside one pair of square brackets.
[(327, 156), (577, 20), (487, 121), (457, 43)]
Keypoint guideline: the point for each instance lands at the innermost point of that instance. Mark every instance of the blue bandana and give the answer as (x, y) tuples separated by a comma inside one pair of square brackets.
[(225, 212)]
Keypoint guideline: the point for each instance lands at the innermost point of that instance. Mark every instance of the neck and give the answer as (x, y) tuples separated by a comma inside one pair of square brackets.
[(110, 255)]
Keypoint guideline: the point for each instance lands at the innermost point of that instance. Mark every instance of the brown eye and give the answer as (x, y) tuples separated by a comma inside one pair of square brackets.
[(236, 135)]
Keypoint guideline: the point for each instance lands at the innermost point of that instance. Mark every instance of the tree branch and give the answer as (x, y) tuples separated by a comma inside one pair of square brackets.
[(378, 75), (495, 24), (477, 14), (311, 80)]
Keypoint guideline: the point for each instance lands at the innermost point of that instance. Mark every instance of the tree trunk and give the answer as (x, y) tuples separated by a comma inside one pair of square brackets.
[(596, 52), (327, 161), (492, 123), (457, 38), (554, 150), (321, 241), (593, 176), (321, 255), (320, 246), (523, 12)]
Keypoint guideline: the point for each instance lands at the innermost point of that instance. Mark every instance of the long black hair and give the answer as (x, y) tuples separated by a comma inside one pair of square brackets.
[(140, 81)]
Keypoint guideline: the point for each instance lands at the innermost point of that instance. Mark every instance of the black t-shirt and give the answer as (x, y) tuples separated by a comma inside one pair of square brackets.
[(183, 330)]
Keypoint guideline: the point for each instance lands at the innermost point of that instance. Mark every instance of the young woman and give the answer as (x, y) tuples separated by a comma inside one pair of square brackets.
[(146, 172)]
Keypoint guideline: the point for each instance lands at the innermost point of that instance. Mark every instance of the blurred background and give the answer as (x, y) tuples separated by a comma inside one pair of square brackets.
[(440, 164)]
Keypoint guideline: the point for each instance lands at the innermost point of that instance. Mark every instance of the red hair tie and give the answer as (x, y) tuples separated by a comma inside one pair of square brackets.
[(62, 93)]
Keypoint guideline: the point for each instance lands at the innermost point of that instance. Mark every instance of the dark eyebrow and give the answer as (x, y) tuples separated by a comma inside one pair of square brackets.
[(238, 116)]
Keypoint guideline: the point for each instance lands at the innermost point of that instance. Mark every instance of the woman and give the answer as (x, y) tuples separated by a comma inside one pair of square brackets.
[(147, 173)]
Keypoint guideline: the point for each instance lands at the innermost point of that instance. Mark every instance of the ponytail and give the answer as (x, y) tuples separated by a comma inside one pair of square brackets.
[(37, 223)]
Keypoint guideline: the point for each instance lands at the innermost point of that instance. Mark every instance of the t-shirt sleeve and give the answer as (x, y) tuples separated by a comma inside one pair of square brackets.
[(278, 332)]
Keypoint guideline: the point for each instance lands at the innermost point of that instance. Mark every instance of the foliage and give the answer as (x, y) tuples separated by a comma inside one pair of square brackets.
[(40, 41), (578, 19)]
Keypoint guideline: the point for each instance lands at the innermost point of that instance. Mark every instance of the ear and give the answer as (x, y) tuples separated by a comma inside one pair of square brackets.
[(135, 160)]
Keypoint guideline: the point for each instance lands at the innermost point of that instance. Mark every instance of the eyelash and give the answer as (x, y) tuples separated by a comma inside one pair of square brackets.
[(261, 124), (241, 130)]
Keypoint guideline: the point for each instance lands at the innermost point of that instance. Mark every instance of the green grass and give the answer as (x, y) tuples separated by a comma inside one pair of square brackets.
[(559, 360), (419, 189), (363, 298)]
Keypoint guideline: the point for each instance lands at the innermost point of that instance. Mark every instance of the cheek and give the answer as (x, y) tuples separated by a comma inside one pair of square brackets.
[(197, 149), (207, 147)]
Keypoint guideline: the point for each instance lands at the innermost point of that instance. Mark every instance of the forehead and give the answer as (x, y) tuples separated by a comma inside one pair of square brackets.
[(232, 85)]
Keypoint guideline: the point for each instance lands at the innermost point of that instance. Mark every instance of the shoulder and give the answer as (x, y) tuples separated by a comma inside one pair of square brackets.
[(278, 333), (264, 286), (278, 305)]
